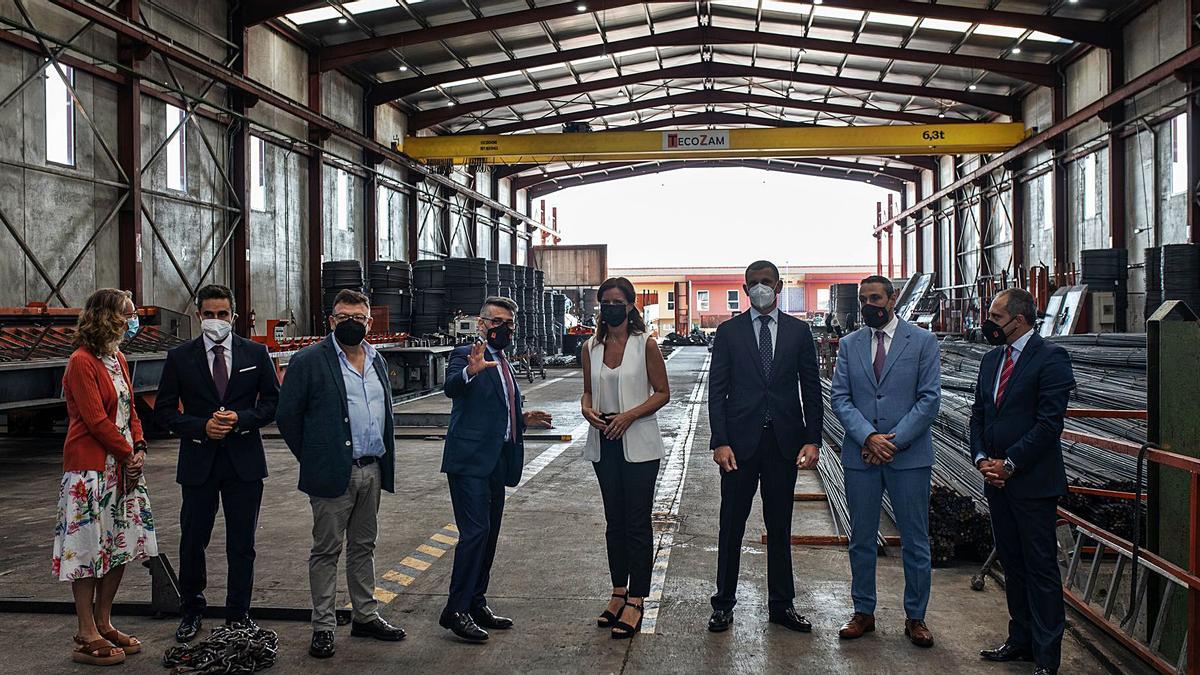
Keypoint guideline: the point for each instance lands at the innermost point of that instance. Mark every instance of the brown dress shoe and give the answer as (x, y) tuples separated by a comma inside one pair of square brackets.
[(857, 626), (918, 633)]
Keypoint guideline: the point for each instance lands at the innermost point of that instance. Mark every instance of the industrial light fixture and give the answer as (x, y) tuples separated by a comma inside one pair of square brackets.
[(973, 87), (581, 7), (818, 2), (941, 115), (1016, 50), (342, 20)]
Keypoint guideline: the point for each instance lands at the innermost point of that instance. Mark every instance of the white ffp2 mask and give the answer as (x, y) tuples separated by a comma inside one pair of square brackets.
[(216, 329)]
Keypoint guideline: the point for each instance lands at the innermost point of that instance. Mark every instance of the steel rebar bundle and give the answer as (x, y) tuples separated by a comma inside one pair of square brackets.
[(1110, 374)]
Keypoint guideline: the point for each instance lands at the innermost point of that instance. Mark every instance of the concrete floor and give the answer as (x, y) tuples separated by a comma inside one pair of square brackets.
[(550, 573)]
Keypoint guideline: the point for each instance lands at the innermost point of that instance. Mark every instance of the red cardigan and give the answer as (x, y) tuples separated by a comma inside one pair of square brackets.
[(92, 433)]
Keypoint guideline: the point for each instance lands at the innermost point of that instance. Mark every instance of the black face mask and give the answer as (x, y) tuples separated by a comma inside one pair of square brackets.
[(875, 316), (350, 332), (994, 332), (499, 338), (614, 315)]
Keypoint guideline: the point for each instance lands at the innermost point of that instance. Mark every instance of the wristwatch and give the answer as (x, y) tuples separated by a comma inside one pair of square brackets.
[(1009, 467)]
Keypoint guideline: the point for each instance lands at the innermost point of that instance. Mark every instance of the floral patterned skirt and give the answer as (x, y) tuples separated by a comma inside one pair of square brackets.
[(100, 529)]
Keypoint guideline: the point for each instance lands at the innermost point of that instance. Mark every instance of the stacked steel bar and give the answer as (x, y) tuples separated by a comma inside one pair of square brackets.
[(1110, 374)]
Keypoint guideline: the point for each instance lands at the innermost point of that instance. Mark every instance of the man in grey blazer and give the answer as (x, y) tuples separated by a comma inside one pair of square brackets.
[(886, 392), (335, 414)]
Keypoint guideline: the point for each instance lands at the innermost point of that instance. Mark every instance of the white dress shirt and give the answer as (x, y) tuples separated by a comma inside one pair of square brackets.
[(772, 325), (1017, 348), (889, 331), (227, 343)]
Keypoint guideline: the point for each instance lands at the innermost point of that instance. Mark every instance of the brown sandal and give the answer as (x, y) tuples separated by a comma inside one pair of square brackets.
[(97, 653), (128, 644)]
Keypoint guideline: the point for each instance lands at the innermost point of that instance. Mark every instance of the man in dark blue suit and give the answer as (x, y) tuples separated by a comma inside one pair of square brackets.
[(335, 414), (228, 387), (1016, 424), (763, 363), (484, 452)]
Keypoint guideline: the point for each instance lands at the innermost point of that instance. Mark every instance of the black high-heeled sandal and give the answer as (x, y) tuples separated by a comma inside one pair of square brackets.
[(622, 630), (606, 619)]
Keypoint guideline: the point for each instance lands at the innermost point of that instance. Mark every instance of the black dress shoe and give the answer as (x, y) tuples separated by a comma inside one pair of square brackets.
[(462, 625), (378, 629), (485, 618), (243, 622), (189, 628), (1043, 670), (790, 620), (322, 644), (1005, 653), (721, 620)]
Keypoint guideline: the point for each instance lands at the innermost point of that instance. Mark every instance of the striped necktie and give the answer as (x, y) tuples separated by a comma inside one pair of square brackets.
[(1005, 374)]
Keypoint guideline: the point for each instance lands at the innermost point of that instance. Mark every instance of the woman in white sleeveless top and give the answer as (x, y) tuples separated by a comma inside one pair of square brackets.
[(624, 385)]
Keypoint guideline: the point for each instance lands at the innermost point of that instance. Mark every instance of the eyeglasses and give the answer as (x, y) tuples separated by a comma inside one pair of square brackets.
[(361, 318), (498, 322)]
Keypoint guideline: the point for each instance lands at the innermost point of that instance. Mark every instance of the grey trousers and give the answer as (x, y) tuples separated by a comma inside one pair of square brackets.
[(351, 518)]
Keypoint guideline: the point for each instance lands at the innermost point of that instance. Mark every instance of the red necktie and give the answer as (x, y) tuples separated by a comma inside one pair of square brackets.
[(511, 393), (220, 373), (1005, 374)]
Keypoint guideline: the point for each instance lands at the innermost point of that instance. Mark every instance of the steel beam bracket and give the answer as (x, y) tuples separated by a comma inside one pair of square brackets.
[(1111, 113), (319, 134), (245, 99), (372, 158)]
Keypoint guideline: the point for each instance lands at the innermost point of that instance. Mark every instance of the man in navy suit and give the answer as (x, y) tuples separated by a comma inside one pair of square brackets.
[(886, 392), (335, 414), (484, 452), (763, 363), (228, 387), (1016, 425)]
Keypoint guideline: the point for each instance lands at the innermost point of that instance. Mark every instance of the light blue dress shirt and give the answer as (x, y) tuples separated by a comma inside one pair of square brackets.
[(367, 403)]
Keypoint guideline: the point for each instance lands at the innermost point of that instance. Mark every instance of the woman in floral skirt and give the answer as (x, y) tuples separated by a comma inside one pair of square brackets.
[(104, 518)]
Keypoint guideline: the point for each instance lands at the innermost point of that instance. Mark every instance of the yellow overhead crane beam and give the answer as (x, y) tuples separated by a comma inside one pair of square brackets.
[(924, 139)]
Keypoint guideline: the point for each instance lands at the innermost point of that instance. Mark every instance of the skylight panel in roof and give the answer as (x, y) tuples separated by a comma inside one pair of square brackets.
[(838, 13), (356, 7), (944, 24), (1046, 37), (999, 31), (891, 19), (767, 5)]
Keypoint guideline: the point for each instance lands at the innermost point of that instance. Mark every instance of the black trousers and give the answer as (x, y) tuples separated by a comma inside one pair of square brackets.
[(627, 489), (240, 501), (777, 476), (478, 511), (1027, 546)]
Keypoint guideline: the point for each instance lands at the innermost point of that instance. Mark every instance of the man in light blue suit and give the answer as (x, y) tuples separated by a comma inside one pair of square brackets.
[(886, 392)]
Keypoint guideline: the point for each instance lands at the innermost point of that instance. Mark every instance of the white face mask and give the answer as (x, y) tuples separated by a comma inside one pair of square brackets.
[(216, 329), (761, 296)]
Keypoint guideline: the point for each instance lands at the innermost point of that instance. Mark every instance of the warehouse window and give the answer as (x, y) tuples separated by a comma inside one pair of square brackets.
[(60, 116), (176, 149), (822, 299), (258, 179), (383, 224), (670, 301), (1179, 155), (343, 200), (732, 298), (702, 300), (1090, 207), (1048, 202)]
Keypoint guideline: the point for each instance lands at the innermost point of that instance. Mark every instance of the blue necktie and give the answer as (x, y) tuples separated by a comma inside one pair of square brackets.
[(767, 356)]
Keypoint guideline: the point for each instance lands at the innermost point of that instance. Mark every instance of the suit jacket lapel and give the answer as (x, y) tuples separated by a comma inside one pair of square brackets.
[(868, 354), (987, 374), (497, 378), (201, 357), (1027, 354), (900, 340), (752, 342), (783, 333), (335, 370)]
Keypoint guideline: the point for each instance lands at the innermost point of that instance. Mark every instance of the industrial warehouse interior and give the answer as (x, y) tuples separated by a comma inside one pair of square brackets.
[(314, 315)]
